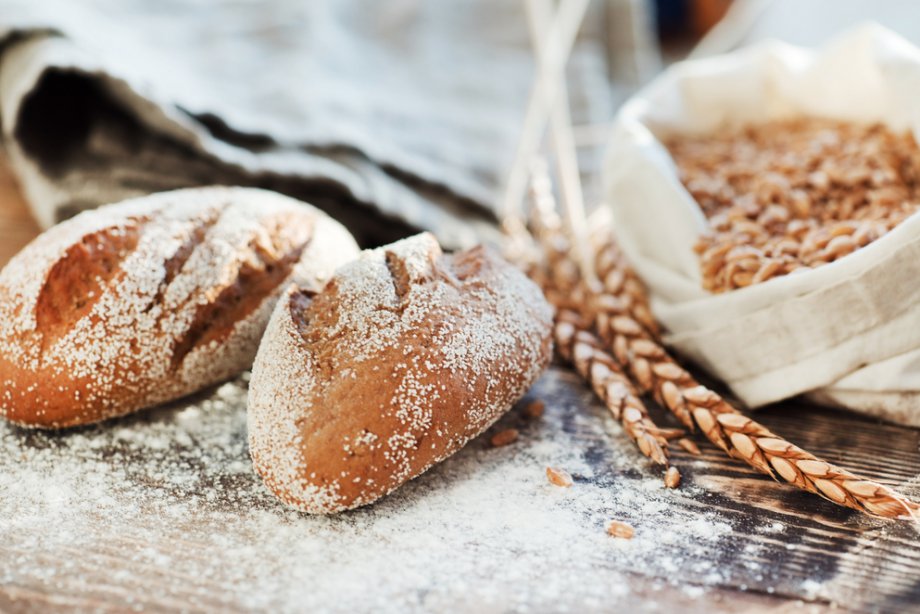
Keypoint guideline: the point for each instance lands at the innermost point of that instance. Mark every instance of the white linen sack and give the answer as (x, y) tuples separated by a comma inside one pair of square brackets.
[(848, 332)]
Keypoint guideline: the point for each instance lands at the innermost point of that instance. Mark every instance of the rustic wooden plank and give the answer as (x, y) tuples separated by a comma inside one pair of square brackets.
[(822, 551), (165, 560)]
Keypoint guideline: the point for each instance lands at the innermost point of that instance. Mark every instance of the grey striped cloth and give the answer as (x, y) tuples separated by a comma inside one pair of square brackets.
[(393, 116)]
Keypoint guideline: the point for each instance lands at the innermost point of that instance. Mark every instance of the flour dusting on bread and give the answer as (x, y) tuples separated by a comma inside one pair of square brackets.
[(401, 359), (147, 300)]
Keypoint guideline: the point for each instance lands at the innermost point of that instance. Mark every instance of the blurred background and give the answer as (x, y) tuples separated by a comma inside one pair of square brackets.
[(392, 116)]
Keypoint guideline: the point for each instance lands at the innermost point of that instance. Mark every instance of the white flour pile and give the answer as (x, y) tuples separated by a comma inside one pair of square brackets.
[(165, 509)]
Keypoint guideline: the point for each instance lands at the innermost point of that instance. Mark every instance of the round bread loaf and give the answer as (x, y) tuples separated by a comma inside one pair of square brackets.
[(405, 355), (148, 300)]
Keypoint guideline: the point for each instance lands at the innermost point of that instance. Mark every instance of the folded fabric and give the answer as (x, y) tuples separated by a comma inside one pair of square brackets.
[(846, 332), (392, 117)]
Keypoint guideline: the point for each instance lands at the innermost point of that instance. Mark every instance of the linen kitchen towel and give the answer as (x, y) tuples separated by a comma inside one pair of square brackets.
[(391, 116)]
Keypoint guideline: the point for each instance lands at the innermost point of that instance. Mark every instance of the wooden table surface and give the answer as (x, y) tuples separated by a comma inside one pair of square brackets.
[(16, 224), (825, 558)]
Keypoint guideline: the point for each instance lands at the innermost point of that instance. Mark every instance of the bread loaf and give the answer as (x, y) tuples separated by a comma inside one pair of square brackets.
[(404, 356), (148, 300)]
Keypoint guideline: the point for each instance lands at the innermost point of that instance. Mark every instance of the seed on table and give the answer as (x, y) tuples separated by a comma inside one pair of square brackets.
[(534, 409), (618, 528), (503, 438), (672, 477), (559, 477)]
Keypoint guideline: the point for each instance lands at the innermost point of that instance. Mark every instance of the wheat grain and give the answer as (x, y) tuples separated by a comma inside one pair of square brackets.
[(672, 477), (504, 438), (793, 194), (559, 477), (534, 409), (618, 528), (671, 433), (689, 445)]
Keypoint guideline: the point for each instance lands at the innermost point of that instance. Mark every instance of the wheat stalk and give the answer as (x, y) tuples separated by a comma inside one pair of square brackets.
[(654, 370), (586, 353), (582, 349), (558, 277)]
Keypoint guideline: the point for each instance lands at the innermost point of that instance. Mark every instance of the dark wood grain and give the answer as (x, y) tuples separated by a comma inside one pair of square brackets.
[(864, 563), (823, 553)]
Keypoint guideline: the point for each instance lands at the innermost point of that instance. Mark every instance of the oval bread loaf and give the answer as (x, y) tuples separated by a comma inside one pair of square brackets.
[(148, 300), (404, 356)]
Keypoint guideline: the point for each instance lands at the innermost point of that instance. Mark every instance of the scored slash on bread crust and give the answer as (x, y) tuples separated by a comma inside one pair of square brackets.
[(405, 355), (148, 300)]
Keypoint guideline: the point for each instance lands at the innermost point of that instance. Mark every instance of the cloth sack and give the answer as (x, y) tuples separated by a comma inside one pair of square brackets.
[(846, 333)]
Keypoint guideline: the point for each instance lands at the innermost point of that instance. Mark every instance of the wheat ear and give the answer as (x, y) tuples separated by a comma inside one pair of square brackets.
[(620, 280), (586, 353), (654, 370), (582, 349), (558, 277)]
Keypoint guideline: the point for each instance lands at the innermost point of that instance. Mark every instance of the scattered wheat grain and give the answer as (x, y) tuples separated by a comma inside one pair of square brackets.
[(559, 477)]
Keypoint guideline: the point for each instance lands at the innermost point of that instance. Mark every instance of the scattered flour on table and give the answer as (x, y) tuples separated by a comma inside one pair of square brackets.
[(164, 508)]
